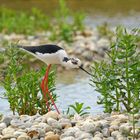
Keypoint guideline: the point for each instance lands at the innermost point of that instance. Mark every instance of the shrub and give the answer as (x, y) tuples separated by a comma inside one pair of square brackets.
[(118, 81), (22, 22), (22, 85), (66, 23)]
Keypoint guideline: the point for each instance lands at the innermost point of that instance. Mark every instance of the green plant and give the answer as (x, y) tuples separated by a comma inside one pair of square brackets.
[(78, 108), (22, 22), (118, 80), (105, 31), (22, 85), (62, 26), (66, 23)]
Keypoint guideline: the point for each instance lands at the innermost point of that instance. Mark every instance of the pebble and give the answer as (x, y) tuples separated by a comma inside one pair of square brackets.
[(103, 43), (106, 132), (68, 138), (125, 128), (52, 115), (23, 137), (97, 138), (2, 126), (8, 130), (52, 136), (6, 120), (49, 127), (87, 126)]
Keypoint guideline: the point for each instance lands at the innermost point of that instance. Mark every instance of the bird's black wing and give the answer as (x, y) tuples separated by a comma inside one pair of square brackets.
[(48, 48)]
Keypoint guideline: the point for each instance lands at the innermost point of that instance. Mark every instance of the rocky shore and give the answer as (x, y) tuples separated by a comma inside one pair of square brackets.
[(53, 126)]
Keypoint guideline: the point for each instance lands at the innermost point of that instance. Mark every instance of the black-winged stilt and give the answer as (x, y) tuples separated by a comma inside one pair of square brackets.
[(52, 54)]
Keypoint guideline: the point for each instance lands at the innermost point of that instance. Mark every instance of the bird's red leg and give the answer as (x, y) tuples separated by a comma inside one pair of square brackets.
[(43, 90), (47, 90)]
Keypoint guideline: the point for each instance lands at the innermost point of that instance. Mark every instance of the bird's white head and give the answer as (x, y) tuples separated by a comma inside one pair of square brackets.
[(72, 62)]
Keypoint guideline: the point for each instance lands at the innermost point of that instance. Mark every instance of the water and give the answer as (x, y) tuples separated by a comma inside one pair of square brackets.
[(4, 105), (73, 87), (124, 12), (78, 92)]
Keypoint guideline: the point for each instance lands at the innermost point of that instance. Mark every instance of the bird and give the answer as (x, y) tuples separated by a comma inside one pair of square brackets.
[(52, 54)]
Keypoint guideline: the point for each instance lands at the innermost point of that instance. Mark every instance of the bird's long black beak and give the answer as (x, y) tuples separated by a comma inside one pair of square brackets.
[(81, 67)]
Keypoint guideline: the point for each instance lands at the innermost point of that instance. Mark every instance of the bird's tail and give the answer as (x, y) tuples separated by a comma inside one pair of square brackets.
[(27, 50)]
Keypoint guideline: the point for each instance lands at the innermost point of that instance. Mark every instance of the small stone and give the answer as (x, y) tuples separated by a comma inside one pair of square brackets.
[(6, 120), (78, 37), (98, 134), (115, 134), (51, 114), (115, 122), (66, 126), (91, 46), (51, 121), (97, 138), (106, 132), (114, 127), (33, 134), (123, 118), (52, 137), (87, 33), (23, 137), (103, 43), (121, 138), (88, 127), (13, 139), (2, 126), (125, 128), (109, 138), (137, 132), (87, 55), (7, 136), (68, 138), (49, 133), (8, 130), (54, 123), (104, 123), (137, 116), (70, 132), (85, 136), (16, 123), (18, 133), (25, 118)]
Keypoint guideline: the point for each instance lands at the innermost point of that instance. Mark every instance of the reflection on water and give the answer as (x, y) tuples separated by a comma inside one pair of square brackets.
[(75, 89)]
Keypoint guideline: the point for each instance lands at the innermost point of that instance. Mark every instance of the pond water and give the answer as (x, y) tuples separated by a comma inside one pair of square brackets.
[(71, 86), (125, 12)]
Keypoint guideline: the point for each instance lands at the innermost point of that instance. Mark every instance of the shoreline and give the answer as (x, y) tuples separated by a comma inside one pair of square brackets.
[(53, 126)]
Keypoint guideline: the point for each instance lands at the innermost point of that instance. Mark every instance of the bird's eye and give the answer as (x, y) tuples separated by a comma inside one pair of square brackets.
[(65, 59)]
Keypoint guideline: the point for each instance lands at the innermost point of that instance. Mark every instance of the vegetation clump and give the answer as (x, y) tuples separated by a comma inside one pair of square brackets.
[(118, 80), (62, 26), (22, 85)]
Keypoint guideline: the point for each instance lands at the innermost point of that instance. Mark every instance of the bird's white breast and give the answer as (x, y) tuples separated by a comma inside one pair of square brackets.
[(52, 58)]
